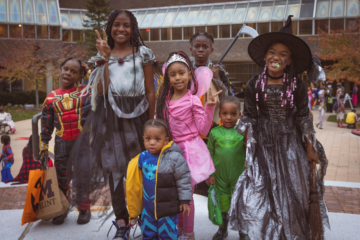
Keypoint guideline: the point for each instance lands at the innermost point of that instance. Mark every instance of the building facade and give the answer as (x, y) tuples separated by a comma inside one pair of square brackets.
[(166, 26)]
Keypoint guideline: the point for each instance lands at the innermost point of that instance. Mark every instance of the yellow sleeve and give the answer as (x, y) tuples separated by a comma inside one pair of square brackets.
[(134, 188)]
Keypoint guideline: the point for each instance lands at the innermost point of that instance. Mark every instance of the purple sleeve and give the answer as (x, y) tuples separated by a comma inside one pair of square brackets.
[(203, 117)]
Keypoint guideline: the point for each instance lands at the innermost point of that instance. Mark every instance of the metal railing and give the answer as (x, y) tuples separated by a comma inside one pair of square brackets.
[(35, 136)]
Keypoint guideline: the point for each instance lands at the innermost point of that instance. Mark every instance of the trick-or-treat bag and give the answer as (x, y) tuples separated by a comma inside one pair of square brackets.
[(36, 179), (214, 205), (53, 202)]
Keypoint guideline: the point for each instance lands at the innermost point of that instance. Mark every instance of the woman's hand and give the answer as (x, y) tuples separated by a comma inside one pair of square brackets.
[(215, 70), (102, 45), (245, 164), (211, 180), (185, 208), (211, 99)]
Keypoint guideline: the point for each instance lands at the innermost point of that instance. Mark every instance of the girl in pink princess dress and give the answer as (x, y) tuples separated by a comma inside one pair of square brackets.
[(182, 109)]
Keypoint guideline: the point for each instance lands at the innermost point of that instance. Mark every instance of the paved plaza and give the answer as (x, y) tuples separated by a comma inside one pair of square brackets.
[(342, 194)]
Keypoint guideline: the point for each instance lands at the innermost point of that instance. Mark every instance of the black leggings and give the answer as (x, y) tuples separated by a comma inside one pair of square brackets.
[(118, 198)]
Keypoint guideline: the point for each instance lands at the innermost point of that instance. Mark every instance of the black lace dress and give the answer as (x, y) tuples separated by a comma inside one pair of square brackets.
[(271, 198)]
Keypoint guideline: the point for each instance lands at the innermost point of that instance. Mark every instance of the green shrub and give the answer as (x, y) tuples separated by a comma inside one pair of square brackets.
[(21, 97)]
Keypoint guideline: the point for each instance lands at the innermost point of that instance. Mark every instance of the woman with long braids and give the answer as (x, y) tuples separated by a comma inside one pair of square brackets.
[(187, 118), (123, 100), (271, 198)]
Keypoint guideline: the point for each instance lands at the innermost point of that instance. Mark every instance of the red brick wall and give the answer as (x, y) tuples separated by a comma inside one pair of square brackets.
[(130, 4)]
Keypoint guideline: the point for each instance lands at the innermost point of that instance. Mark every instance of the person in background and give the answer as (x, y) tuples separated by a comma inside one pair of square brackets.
[(329, 100), (5, 118), (7, 159), (28, 164), (309, 97), (340, 111), (354, 96), (352, 119), (339, 91), (321, 116)]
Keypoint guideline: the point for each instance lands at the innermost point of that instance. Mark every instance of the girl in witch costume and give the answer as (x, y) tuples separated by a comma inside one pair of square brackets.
[(271, 198), (123, 100)]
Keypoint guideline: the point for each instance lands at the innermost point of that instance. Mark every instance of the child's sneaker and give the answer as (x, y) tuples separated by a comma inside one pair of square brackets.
[(187, 236), (243, 236), (122, 231)]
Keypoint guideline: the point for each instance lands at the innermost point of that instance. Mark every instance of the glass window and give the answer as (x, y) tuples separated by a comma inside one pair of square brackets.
[(76, 20), (337, 8), (188, 32), (265, 12), (307, 9), (276, 26), (159, 18), (351, 23), (148, 19), (305, 27), (42, 32), (15, 31), (28, 11), (263, 28), (200, 29), (213, 30), (29, 31), (321, 25), (154, 34), (235, 28), (3, 30), (293, 8), (144, 33), (337, 24), (240, 11), (181, 16), (215, 14), (191, 18), (14, 10), (352, 8), (65, 20), (228, 13), (224, 31), (279, 10), (53, 12), (252, 12), (77, 36), (322, 9), (295, 27), (41, 16), (169, 17), (54, 32), (176, 33), (165, 34), (66, 35), (3, 11), (203, 16), (140, 17)]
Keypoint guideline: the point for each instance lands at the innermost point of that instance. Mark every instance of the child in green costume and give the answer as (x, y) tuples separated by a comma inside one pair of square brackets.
[(227, 150)]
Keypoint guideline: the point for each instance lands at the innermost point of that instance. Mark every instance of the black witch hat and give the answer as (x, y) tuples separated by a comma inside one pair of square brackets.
[(300, 51)]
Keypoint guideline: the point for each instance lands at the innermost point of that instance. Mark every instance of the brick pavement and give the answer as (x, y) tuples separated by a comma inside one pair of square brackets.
[(338, 199)]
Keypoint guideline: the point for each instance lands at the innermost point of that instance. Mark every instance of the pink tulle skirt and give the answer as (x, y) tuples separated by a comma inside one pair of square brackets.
[(198, 159)]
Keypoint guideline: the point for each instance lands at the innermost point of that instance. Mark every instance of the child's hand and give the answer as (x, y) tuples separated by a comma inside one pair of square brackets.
[(211, 180), (102, 45), (185, 208), (215, 70), (212, 100)]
